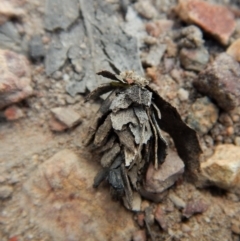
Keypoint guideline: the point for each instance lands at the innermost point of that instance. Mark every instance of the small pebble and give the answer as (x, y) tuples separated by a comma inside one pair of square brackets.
[(237, 141), (66, 77), (183, 94), (186, 228), (235, 228), (234, 50), (5, 192), (139, 235), (230, 131), (177, 201), (57, 75)]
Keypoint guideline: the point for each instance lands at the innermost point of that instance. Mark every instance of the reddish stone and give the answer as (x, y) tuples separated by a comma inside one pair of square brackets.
[(160, 217), (15, 78), (194, 207), (221, 81), (140, 219), (13, 113), (14, 238), (167, 174), (215, 19)]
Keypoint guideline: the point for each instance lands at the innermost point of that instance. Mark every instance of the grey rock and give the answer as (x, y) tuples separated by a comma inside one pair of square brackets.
[(91, 45), (67, 116), (76, 55), (221, 81), (5, 192), (194, 59), (9, 30), (107, 42), (159, 180), (155, 55), (202, 115), (134, 25), (73, 88), (36, 47), (60, 45), (10, 38), (60, 14)]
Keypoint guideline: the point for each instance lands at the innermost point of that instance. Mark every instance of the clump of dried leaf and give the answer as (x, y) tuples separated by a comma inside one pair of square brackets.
[(126, 132)]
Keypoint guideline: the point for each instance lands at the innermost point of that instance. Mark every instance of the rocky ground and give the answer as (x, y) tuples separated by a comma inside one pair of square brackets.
[(49, 54)]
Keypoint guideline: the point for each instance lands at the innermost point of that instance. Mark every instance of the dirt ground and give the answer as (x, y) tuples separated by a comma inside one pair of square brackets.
[(46, 176)]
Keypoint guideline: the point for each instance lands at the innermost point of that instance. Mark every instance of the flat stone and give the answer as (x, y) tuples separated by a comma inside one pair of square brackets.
[(56, 125), (202, 115), (62, 202), (67, 116), (194, 59), (61, 42), (215, 19), (167, 174), (60, 14), (220, 80), (15, 78), (5, 192), (223, 168), (234, 50)]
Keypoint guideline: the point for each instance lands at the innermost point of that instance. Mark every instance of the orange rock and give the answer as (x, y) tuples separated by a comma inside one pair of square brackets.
[(214, 19), (13, 113), (152, 73), (234, 50)]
